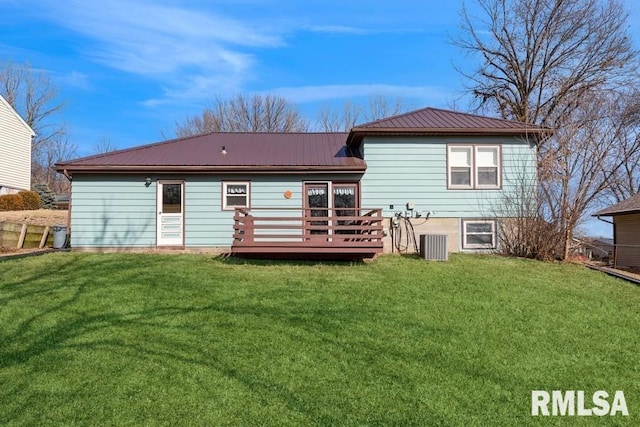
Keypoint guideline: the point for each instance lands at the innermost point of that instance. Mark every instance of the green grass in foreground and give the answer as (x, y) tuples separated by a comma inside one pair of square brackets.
[(97, 339)]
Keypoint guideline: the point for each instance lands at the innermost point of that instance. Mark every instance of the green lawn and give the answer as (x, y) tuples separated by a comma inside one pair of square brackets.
[(122, 339)]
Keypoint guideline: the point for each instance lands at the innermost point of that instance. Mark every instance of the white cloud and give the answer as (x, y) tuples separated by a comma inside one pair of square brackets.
[(197, 88), (191, 52), (76, 79), (308, 94), (344, 29), (116, 18), (338, 29)]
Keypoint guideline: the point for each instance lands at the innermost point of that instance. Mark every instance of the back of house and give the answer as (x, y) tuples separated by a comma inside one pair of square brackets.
[(375, 189)]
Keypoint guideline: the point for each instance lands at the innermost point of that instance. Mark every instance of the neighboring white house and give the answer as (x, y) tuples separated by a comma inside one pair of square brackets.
[(15, 150)]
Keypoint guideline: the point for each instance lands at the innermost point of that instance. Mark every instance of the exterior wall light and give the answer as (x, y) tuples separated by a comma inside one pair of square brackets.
[(147, 182)]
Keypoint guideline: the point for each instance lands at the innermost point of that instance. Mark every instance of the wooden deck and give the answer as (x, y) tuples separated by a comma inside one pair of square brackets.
[(301, 233)]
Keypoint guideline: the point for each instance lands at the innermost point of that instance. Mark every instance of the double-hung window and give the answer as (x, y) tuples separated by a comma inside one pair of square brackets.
[(236, 195), (473, 166)]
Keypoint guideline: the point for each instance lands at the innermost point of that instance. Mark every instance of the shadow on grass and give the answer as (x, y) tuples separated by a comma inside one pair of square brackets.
[(233, 260), (59, 315)]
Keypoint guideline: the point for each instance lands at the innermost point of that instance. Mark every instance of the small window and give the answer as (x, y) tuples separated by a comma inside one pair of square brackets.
[(235, 195), (473, 166), (478, 234)]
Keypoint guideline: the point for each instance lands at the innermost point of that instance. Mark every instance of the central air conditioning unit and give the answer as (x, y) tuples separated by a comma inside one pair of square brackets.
[(434, 247)]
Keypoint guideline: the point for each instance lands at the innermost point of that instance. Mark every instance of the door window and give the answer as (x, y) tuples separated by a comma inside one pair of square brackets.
[(171, 198), (318, 202), (345, 201)]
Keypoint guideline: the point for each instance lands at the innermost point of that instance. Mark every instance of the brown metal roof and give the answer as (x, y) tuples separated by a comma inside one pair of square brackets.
[(251, 152), (434, 121), (631, 205), (282, 152)]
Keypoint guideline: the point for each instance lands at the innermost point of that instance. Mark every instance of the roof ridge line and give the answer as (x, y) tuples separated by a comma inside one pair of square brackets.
[(395, 116), (475, 115), (487, 117)]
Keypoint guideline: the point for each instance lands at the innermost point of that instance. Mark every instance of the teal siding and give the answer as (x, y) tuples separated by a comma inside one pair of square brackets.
[(206, 224), (404, 169), (112, 211), (120, 211)]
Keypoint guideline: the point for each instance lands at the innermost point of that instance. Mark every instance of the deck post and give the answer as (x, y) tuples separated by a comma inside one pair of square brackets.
[(248, 228)]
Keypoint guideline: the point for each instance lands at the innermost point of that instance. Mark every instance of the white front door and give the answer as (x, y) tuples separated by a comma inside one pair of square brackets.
[(170, 207)]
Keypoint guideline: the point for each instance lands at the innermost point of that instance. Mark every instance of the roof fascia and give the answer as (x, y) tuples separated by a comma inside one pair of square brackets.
[(616, 213), (70, 170)]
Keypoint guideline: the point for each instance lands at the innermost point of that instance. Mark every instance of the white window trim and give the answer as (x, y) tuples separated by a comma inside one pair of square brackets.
[(225, 184), (473, 184), (494, 234)]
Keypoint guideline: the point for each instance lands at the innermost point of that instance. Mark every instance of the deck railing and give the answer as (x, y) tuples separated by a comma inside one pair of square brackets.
[(321, 230)]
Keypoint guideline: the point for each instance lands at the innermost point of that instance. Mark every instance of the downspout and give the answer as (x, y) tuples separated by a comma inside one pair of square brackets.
[(615, 246), (66, 174), (604, 220)]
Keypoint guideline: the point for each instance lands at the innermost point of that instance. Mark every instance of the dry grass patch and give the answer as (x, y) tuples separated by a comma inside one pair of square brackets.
[(35, 217)]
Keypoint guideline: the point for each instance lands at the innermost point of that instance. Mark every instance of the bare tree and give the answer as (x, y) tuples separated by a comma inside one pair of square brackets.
[(539, 57), (104, 146), (522, 231), (625, 182), (256, 113), (331, 120), (380, 107), (342, 120), (52, 151), (582, 160), (34, 97), (561, 64)]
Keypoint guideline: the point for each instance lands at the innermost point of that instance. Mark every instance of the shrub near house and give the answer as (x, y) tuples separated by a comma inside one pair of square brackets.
[(11, 202), (30, 200), (24, 200)]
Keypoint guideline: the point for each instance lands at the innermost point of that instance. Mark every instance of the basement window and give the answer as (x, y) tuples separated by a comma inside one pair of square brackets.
[(478, 234), (236, 195)]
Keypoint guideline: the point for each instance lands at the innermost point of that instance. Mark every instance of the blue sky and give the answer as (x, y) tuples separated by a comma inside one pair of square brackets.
[(129, 69)]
